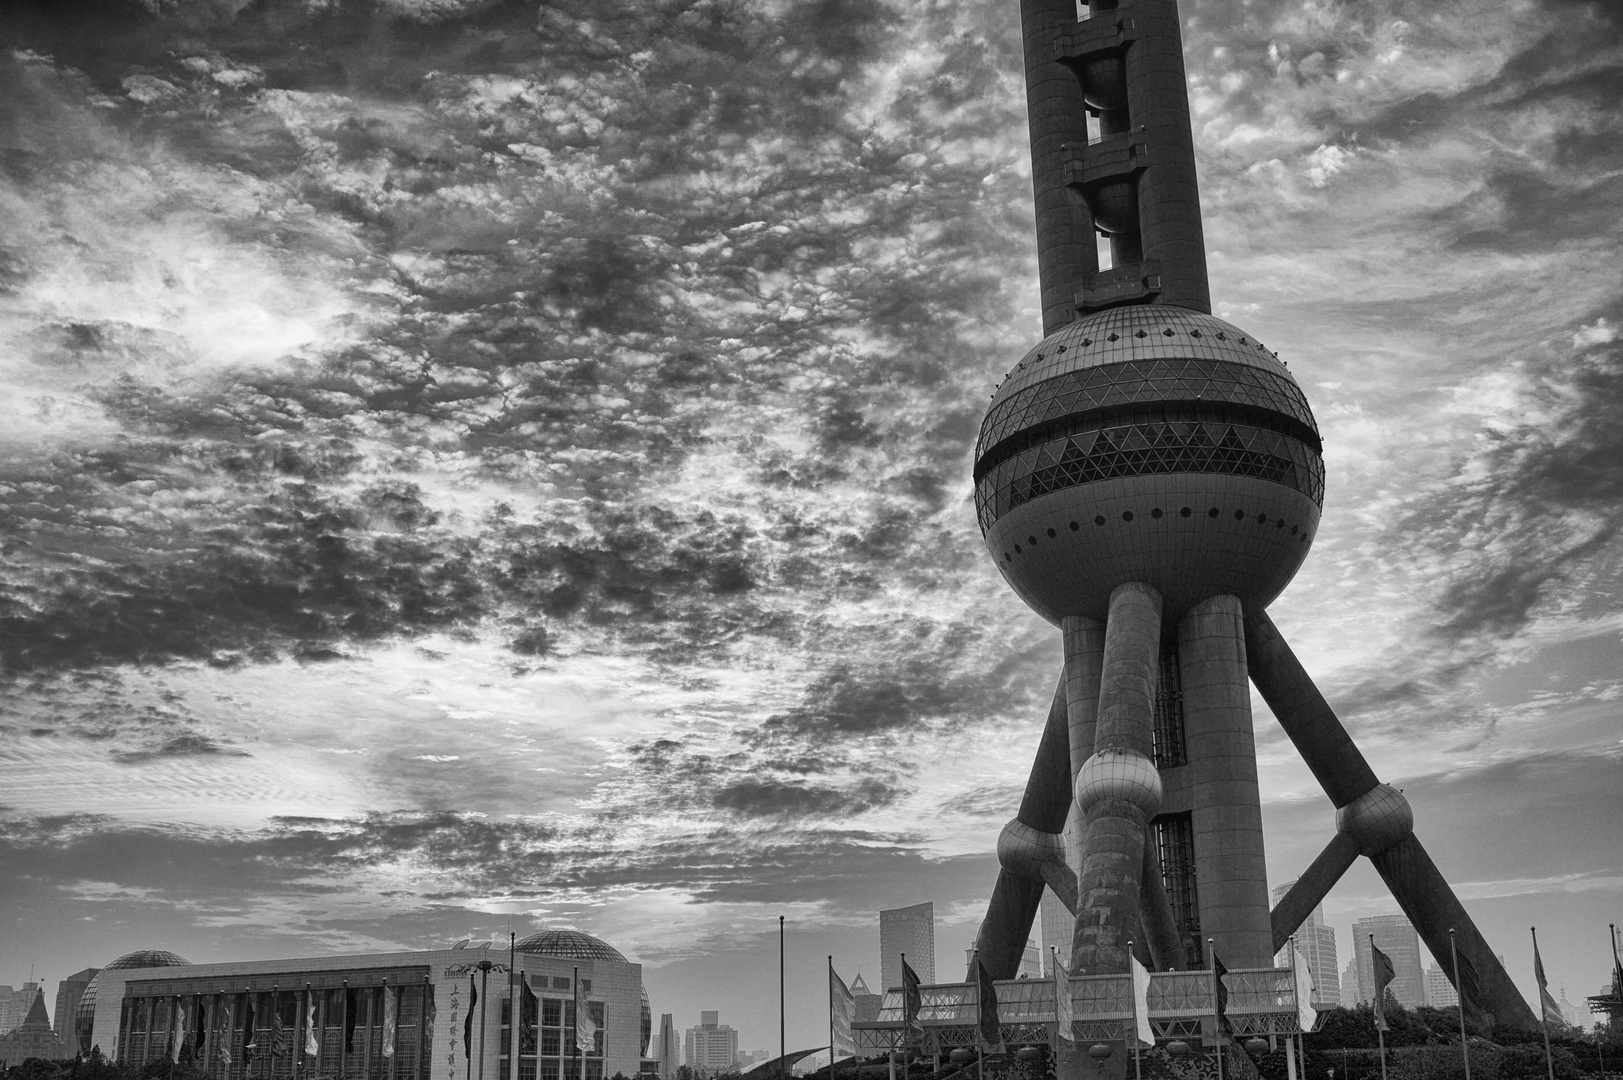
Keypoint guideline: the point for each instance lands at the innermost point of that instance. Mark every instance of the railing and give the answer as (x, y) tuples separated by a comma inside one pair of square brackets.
[(1182, 1004)]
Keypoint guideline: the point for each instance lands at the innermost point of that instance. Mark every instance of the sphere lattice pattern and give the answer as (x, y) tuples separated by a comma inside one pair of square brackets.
[(84, 1017), (1119, 774), (569, 943), (1148, 443)]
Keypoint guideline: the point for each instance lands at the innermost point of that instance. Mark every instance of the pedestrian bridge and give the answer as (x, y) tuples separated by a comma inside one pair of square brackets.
[(1182, 1005)]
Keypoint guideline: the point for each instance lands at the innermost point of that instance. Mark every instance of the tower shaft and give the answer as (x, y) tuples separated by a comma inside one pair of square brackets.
[(1134, 179)]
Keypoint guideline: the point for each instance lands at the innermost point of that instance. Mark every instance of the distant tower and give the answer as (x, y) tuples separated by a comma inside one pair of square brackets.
[(1439, 992), (1395, 936), (711, 1048), (1148, 479), (909, 930), (868, 1003), (669, 1050), (1316, 943)]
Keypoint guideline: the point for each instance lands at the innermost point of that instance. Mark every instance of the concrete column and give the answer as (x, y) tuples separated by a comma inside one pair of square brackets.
[(1084, 640), (1225, 812), (1118, 788)]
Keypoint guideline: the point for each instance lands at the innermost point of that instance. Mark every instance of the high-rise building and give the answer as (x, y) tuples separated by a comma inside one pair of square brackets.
[(16, 1005), (1395, 936), (68, 993), (712, 1047), (668, 1051), (1439, 991), (1351, 993), (1148, 479), (1317, 944), (868, 1003), (1057, 926), (909, 930)]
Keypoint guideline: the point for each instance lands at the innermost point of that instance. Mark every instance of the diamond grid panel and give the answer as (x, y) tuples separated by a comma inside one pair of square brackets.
[(1071, 460), (1145, 381)]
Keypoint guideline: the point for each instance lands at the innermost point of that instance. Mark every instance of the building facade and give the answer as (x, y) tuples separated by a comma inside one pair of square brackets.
[(16, 1005), (909, 930), (1395, 936), (1351, 993), (33, 1038), (1317, 944), (1439, 991), (668, 1050), (381, 1016), (867, 1002), (711, 1048), (1056, 926), (68, 993)]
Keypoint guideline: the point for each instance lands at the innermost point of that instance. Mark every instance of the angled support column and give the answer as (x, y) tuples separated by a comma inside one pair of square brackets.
[(1377, 819), (1312, 887), (1160, 926), (1030, 851)]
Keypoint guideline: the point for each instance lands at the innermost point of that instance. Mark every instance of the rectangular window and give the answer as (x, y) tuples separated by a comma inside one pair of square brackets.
[(551, 1042), (560, 982), (1167, 733), (552, 1012), (1175, 843), (594, 1070), (549, 1070), (586, 986)]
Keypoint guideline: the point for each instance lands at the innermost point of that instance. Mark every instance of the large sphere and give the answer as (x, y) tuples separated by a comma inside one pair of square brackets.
[(1148, 443)]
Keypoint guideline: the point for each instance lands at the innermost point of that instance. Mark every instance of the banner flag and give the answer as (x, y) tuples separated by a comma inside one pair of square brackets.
[(991, 1028), (278, 1033), (1550, 1007), (1220, 991), (584, 1027), (1384, 974), (248, 1043), (467, 1025), (1306, 1013), (1141, 1003), (912, 1001), (528, 1013), (1064, 1006), (391, 1006), (312, 1045), (202, 1025), (352, 1013), (225, 1033), (180, 1029), (842, 1010)]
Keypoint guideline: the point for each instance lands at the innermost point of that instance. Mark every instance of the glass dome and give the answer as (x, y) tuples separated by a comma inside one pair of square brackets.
[(84, 1017), (573, 944)]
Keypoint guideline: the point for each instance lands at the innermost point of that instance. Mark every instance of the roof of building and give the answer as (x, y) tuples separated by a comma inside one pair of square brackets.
[(574, 944), (144, 958), (37, 1013)]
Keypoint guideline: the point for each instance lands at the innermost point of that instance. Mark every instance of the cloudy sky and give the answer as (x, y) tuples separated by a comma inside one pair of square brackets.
[(470, 466)]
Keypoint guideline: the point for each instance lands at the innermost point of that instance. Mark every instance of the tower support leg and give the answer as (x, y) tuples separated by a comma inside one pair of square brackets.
[(1226, 811)]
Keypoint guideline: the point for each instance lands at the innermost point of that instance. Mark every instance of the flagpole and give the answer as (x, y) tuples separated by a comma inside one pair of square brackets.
[(484, 1009), (1217, 1024), (513, 1009), (783, 1047), (576, 1040), (1459, 988), (980, 1051), (1133, 993), (1296, 992), (831, 1016), (1543, 1020), (1380, 1006)]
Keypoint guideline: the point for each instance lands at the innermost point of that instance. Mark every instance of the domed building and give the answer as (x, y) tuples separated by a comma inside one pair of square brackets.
[(84, 1016), (383, 1016)]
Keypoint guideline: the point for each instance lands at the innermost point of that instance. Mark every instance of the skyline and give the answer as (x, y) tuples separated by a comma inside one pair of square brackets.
[(469, 466)]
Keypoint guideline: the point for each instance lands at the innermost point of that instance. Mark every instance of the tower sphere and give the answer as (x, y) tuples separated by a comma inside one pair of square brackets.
[(1148, 443)]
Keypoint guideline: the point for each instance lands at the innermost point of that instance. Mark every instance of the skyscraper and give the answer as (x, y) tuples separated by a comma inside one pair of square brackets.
[(1058, 926), (1439, 991), (68, 993), (668, 1049), (1351, 993), (712, 1047), (1316, 942), (1148, 478), (868, 1003), (1395, 936), (909, 930)]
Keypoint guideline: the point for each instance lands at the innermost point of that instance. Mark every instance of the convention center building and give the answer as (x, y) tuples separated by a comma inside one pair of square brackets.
[(379, 1016)]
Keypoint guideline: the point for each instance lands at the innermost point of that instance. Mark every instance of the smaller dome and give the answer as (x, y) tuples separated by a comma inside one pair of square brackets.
[(143, 958), (572, 944), (84, 1017)]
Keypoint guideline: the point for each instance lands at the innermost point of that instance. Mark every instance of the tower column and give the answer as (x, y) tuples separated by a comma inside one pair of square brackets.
[(1225, 811), (1084, 640), (1118, 788)]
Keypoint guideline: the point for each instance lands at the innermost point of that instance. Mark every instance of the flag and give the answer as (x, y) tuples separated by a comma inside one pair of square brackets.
[(1141, 1002), (1547, 1002), (225, 1033), (248, 1044), (986, 1000), (842, 1009), (585, 1029), (391, 998), (1306, 1014), (1220, 991), (467, 1025), (912, 1001), (202, 1025), (529, 1008), (180, 1029), (1064, 1007), (1384, 974), (278, 1033), (1617, 965), (312, 1045), (352, 1010)]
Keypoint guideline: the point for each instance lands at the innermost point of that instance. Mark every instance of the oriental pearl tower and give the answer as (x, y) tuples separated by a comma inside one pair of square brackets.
[(1148, 479)]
